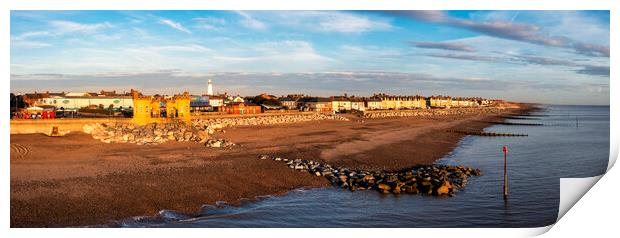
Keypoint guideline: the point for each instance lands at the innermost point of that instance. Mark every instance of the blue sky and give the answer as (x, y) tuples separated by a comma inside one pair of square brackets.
[(559, 57)]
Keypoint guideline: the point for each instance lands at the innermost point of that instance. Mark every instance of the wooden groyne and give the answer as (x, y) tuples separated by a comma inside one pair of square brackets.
[(514, 123), (520, 118), (476, 133)]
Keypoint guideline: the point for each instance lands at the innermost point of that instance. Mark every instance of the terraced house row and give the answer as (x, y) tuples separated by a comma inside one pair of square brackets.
[(377, 102)]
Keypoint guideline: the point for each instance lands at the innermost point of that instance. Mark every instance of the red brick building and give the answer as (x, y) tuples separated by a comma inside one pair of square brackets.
[(242, 108)]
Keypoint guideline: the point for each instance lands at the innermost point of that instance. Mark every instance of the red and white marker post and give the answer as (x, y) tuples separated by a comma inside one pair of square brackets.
[(505, 149)]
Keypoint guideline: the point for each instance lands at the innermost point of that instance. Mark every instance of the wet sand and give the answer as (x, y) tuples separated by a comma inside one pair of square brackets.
[(76, 180)]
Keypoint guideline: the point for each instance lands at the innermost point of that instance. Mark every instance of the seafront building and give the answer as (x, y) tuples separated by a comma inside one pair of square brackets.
[(401, 102), (148, 109), (288, 102), (439, 101), (242, 108), (77, 100), (358, 104), (340, 103), (373, 103), (316, 104)]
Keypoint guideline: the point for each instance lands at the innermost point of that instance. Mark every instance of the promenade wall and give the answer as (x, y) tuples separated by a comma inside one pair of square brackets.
[(28, 126)]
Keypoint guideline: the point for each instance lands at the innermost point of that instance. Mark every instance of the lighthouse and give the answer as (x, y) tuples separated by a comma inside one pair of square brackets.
[(209, 88)]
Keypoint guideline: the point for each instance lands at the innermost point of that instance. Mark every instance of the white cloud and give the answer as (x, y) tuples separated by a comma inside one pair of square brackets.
[(69, 26), (175, 25), (250, 22), (103, 37), (209, 23), (183, 48), (349, 23), (210, 20), (329, 21), (31, 34), (29, 44)]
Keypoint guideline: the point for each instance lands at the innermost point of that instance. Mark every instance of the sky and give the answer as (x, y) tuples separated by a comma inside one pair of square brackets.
[(557, 57)]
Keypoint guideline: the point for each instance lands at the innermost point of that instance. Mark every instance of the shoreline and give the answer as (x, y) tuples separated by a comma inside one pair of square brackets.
[(120, 183)]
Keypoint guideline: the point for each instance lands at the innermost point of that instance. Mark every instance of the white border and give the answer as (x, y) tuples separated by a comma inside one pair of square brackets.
[(605, 185)]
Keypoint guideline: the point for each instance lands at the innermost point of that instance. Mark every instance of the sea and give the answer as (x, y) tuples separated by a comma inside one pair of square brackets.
[(573, 142)]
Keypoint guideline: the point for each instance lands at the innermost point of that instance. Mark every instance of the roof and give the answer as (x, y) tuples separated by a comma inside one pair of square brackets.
[(34, 108), (118, 96), (287, 99), (319, 99), (35, 95), (270, 106), (79, 94), (239, 103), (340, 99), (199, 104), (373, 99)]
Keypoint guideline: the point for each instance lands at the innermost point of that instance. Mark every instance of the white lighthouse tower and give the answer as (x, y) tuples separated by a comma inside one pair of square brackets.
[(209, 88)]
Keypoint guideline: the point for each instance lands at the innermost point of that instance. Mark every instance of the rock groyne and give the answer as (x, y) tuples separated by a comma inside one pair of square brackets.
[(437, 180), (219, 123), (155, 133), (198, 130)]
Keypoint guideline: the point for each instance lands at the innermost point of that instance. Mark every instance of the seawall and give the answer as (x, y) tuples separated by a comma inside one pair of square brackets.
[(28, 126), (66, 124)]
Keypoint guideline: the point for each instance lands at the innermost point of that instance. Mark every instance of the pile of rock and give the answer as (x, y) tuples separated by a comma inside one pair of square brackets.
[(218, 123), (438, 180), (154, 133), (431, 112)]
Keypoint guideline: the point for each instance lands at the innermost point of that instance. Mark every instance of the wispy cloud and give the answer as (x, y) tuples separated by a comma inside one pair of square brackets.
[(508, 30), (209, 23), (328, 21), (29, 44), (349, 23), (595, 70), (538, 60), (444, 46), (174, 25), (31, 34), (183, 48), (471, 57), (69, 26), (250, 22)]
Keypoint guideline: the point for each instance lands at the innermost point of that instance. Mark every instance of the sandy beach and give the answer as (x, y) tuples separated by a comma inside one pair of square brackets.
[(76, 180)]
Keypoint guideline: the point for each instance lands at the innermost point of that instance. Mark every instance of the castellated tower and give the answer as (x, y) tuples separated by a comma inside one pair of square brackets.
[(210, 88)]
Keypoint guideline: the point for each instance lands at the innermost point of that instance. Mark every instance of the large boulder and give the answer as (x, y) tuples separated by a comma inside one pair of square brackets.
[(384, 188), (444, 189)]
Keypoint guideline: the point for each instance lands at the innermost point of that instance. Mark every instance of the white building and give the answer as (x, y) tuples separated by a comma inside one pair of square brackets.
[(210, 88), (358, 104), (80, 100), (216, 101)]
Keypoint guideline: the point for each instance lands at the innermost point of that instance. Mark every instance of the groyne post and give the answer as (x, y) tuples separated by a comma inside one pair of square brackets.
[(505, 149), (577, 121)]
